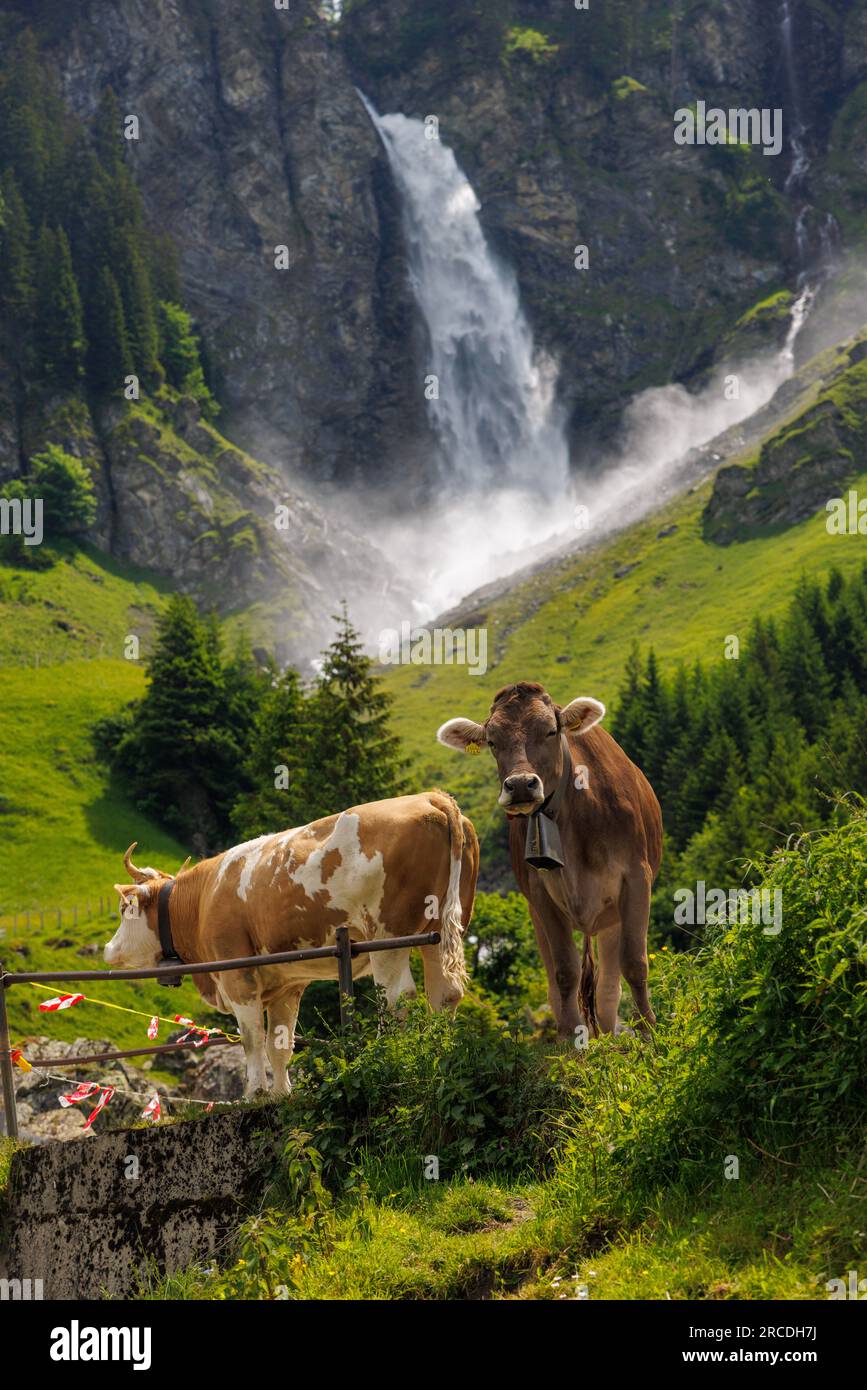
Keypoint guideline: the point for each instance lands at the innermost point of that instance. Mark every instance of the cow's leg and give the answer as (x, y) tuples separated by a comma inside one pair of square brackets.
[(392, 973), (608, 986), (280, 1044), (547, 960), (635, 916), (439, 993), (564, 973), (252, 1028)]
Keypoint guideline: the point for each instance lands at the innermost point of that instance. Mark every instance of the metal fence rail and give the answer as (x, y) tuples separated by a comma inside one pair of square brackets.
[(343, 950)]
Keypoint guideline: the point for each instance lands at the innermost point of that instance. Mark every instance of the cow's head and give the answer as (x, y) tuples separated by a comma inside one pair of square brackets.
[(523, 733), (136, 943)]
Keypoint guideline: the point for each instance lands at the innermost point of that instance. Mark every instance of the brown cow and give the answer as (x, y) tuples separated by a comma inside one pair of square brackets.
[(389, 868), (599, 838)]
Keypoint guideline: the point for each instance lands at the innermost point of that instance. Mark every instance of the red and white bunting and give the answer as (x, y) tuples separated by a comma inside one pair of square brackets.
[(187, 1022), (105, 1097), (197, 1036), (81, 1092), (153, 1027), (62, 1001), (153, 1109)]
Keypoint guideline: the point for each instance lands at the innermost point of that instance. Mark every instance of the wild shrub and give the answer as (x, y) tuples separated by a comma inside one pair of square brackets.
[(462, 1089), (761, 1049)]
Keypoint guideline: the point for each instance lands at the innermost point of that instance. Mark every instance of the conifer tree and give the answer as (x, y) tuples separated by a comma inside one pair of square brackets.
[(179, 754), (179, 353), (59, 324), (352, 755), (16, 256), (109, 357), (138, 303), (275, 766)]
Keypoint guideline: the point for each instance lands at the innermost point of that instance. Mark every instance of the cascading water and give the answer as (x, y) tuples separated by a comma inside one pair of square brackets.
[(492, 404), (505, 492), (796, 184)]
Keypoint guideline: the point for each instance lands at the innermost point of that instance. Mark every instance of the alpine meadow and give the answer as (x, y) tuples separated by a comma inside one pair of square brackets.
[(433, 666)]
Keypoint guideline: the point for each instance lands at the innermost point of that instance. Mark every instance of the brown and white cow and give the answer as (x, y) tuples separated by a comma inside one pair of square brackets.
[(609, 825), (389, 868)]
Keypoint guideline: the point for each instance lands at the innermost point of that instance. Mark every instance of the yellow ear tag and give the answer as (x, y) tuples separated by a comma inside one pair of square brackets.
[(473, 748)]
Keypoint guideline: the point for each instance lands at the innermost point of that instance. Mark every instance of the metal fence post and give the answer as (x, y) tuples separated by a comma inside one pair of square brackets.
[(6, 1064), (344, 974)]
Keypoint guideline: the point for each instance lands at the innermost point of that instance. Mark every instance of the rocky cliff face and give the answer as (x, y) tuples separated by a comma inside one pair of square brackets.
[(252, 136), (568, 139)]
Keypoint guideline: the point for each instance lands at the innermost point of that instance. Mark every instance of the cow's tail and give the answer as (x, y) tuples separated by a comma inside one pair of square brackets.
[(451, 923), (587, 988)]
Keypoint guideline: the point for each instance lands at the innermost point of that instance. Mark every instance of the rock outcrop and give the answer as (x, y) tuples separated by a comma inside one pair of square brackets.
[(802, 466)]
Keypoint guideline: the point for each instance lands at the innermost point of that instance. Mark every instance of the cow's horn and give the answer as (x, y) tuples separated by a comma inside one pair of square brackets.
[(183, 866), (137, 875)]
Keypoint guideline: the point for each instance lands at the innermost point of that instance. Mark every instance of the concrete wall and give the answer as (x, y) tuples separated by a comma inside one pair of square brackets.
[(86, 1218)]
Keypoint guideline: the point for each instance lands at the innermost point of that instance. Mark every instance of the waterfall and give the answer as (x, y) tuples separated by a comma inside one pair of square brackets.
[(505, 496), (492, 403), (796, 183)]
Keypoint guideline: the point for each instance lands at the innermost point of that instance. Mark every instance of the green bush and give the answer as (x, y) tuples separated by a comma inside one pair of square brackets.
[(66, 487), (762, 1048), (461, 1088), (528, 44)]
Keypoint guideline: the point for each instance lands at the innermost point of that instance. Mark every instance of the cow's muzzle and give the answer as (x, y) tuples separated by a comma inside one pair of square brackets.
[(522, 794)]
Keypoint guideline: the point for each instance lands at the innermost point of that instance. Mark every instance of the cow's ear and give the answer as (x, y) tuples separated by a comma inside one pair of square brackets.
[(127, 894), (581, 714), (463, 734)]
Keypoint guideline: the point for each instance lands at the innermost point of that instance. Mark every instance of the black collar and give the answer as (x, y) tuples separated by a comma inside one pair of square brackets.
[(165, 929)]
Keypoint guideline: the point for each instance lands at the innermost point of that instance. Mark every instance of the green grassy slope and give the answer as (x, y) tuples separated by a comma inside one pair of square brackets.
[(84, 605), (64, 824), (572, 626)]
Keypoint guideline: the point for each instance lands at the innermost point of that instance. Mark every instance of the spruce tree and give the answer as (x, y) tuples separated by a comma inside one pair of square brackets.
[(179, 354), (180, 755), (109, 358), (275, 767), (352, 755), (16, 255), (59, 324), (138, 303)]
